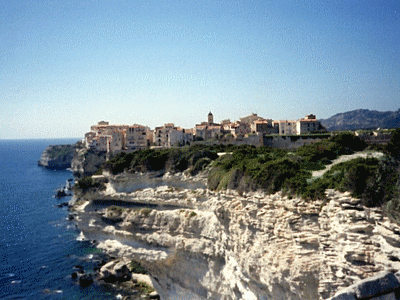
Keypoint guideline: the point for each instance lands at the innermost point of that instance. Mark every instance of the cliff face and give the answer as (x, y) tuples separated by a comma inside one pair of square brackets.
[(75, 157), (57, 157), (85, 163), (208, 245)]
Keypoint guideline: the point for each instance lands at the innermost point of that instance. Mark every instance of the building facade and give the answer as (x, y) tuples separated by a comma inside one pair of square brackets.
[(138, 137), (170, 136)]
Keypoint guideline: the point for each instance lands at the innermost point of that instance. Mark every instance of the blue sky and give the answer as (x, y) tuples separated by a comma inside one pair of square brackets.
[(65, 65)]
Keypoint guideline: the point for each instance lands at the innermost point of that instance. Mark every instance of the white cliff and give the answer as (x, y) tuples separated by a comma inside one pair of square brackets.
[(199, 244)]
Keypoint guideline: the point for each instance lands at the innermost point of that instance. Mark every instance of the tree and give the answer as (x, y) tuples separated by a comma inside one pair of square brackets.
[(393, 147)]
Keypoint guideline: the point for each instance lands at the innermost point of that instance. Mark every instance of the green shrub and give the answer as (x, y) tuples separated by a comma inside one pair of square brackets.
[(87, 183), (61, 152), (250, 168), (348, 143), (322, 152), (144, 288), (146, 211), (352, 176), (393, 147), (137, 268), (116, 211), (168, 160)]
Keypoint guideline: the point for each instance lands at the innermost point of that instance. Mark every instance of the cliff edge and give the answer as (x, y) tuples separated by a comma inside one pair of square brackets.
[(58, 157), (75, 157), (201, 244)]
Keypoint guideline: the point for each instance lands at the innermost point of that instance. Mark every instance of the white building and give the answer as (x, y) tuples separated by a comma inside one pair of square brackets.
[(309, 124), (138, 137), (114, 138), (169, 136), (286, 127)]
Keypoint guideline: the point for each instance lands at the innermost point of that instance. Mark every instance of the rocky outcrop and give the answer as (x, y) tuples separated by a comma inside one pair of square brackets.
[(116, 270), (201, 244), (58, 157), (86, 163), (384, 286), (117, 276)]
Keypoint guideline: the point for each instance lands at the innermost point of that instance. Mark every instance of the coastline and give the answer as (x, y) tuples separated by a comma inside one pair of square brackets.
[(208, 245)]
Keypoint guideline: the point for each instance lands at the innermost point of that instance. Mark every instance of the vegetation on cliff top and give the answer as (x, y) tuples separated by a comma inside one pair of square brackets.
[(58, 156), (60, 152), (247, 168), (193, 159), (89, 184)]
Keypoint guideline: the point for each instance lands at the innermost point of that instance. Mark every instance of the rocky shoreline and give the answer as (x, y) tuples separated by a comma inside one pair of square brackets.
[(116, 275), (201, 244), (123, 277)]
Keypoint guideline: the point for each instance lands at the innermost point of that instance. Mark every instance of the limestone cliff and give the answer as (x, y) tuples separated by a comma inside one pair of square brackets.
[(199, 244), (58, 157), (85, 163)]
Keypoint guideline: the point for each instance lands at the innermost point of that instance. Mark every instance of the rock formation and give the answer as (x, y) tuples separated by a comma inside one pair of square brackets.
[(201, 244), (75, 157), (85, 163), (57, 157), (384, 286)]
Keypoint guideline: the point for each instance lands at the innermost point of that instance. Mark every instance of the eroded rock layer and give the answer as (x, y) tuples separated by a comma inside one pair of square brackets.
[(219, 245)]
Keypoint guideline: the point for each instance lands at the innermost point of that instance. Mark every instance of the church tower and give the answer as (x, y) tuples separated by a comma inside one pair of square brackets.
[(210, 118)]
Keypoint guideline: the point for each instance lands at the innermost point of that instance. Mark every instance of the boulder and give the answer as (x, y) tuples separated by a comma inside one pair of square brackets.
[(85, 280), (154, 295), (116, 270), (378, 284), (381, 285)]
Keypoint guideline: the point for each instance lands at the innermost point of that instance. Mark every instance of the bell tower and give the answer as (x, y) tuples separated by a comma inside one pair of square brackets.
[(210, 118)]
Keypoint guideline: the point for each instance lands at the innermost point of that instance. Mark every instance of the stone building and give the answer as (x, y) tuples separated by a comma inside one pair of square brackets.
[(115, 138), (208, 130), (106, 137), (265, 126), (250, 119), (309, 124), (286, 127), (138, 137), (237, 128), (169, 136)]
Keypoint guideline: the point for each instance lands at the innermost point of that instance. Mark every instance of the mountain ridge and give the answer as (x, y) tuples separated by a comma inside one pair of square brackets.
[(362, 119)]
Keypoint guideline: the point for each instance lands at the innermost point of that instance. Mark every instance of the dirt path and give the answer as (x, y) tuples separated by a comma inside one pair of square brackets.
[(344, 158)]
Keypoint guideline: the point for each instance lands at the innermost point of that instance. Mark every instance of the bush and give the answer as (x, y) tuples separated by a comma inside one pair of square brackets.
[(385, 185), (167, 160), (137, 268), (353, 176), (250, 168), (393, 147), (348, 143), (86, 184), (322, 152)]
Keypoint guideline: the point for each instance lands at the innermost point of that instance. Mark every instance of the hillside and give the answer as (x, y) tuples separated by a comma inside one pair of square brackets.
[(362, 119)]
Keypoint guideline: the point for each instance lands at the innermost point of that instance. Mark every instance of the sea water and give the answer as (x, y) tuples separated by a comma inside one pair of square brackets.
[(38, 245)]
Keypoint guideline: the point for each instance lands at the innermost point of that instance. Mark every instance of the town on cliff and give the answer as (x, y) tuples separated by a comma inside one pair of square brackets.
[(248, 130), (240, 222)]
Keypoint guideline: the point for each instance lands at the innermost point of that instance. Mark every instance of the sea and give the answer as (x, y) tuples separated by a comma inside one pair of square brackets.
[(39, 246)]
